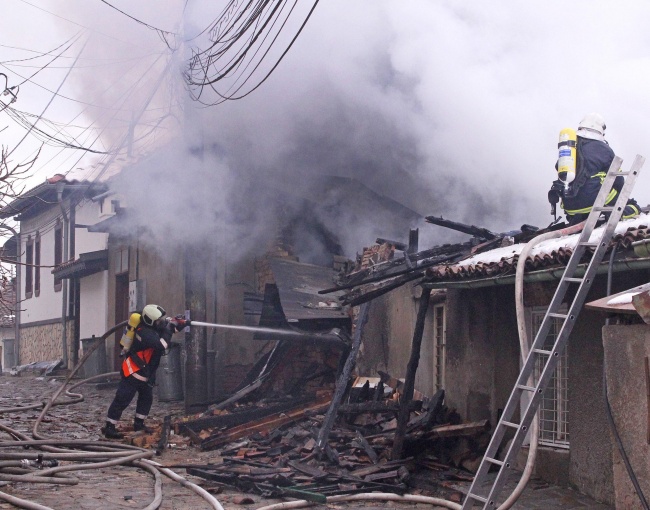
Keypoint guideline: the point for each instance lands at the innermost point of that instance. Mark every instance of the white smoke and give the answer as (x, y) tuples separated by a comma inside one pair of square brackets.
[(452, 109)]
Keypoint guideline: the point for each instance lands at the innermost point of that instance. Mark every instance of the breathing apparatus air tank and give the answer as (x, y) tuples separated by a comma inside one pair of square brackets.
[(566, 162), (129, 333)]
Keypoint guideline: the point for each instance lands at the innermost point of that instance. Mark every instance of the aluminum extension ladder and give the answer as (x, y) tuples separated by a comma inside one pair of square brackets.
[(485, 494)]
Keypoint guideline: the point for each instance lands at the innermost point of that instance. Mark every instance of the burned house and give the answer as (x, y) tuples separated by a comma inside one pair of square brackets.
[(224, 282), (470, 342)]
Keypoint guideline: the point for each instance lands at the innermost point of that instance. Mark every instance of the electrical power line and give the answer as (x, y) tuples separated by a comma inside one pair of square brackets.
[(241, 39)]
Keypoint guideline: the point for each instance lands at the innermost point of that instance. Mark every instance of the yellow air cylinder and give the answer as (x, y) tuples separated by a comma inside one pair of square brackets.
[(566, 162), (127, 338)]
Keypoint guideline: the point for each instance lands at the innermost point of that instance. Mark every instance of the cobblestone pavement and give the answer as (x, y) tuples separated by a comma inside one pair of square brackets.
[(128, 487)]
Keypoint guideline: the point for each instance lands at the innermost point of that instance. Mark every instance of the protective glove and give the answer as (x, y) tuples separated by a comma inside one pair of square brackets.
[(179, 323), (556, 192)]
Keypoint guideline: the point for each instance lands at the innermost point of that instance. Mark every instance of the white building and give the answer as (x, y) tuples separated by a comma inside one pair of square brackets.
[(61, 270)]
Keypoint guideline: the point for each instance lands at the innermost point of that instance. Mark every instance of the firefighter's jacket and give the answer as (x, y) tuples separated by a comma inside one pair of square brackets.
[(149, 344), (593, 160)]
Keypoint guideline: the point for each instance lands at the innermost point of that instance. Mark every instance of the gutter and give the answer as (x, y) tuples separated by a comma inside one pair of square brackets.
[(544, 275)]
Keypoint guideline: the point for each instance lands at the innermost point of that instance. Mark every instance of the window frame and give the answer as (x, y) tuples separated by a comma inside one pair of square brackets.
[(37, 264), (29, 267), (439, 322), (58, 252), (554, 404)]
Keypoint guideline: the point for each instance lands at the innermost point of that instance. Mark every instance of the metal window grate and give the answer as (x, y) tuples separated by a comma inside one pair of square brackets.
[(439, 346), (554, 409)]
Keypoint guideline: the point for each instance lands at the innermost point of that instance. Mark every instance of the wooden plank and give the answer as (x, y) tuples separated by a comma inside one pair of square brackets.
[(462, 429), (381, 476), (268, 423), (386, 466)]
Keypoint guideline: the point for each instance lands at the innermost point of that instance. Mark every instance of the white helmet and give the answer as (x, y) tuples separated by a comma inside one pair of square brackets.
[(592, 126), (151, 313)]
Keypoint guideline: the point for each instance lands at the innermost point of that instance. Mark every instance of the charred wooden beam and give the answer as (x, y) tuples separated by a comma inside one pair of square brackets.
[(355, 277), (379, 392), (411, 369), (462, 227), (380, 291), (372, 406), (393, 272), (342, 383), (396, 244), (433, 408), (391, 381)]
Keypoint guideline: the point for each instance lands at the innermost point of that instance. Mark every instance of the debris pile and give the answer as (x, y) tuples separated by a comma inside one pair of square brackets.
[(270, 446)]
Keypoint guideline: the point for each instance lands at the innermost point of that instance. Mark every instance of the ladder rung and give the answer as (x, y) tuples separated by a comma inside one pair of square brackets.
[(542, 351), (493, 461), (623, 173), (510, 424), (588, 244), (574, 280), (527, 388), (477, 497), (604, 209), (558, 315)]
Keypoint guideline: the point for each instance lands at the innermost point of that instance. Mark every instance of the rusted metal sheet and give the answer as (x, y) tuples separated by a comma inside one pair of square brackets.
[(641, 303), (622, 302)]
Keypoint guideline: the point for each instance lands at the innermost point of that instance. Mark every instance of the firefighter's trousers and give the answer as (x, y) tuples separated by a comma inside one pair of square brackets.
[(126, 390)]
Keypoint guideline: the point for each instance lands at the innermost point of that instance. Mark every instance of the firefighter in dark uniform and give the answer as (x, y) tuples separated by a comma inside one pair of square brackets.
[(593, 159), (152, 338)]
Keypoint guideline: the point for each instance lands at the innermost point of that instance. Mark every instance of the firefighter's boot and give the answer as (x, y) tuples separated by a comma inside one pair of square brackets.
[(110, 432), (138, 425)]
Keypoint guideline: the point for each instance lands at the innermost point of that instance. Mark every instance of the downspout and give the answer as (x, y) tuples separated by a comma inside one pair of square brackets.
[(64, 282)]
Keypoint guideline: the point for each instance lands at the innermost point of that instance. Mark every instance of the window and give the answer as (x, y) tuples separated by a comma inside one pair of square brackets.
[(121, 258), (439, 346), (29, 267), (58, 243), (58, 251), (37, 264), (554, 408)]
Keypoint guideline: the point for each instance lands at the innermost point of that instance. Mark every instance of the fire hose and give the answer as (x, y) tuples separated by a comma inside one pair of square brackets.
[(97, 454)]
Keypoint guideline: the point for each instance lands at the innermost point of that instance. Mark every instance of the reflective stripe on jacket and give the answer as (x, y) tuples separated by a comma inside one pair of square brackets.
[(130, 366)]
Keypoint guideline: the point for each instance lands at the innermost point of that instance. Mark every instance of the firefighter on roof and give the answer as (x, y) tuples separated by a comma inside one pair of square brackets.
[(582, 167), (149, 341)]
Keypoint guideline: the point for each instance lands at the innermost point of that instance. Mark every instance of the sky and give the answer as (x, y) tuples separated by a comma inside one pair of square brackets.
[(451, 108)]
